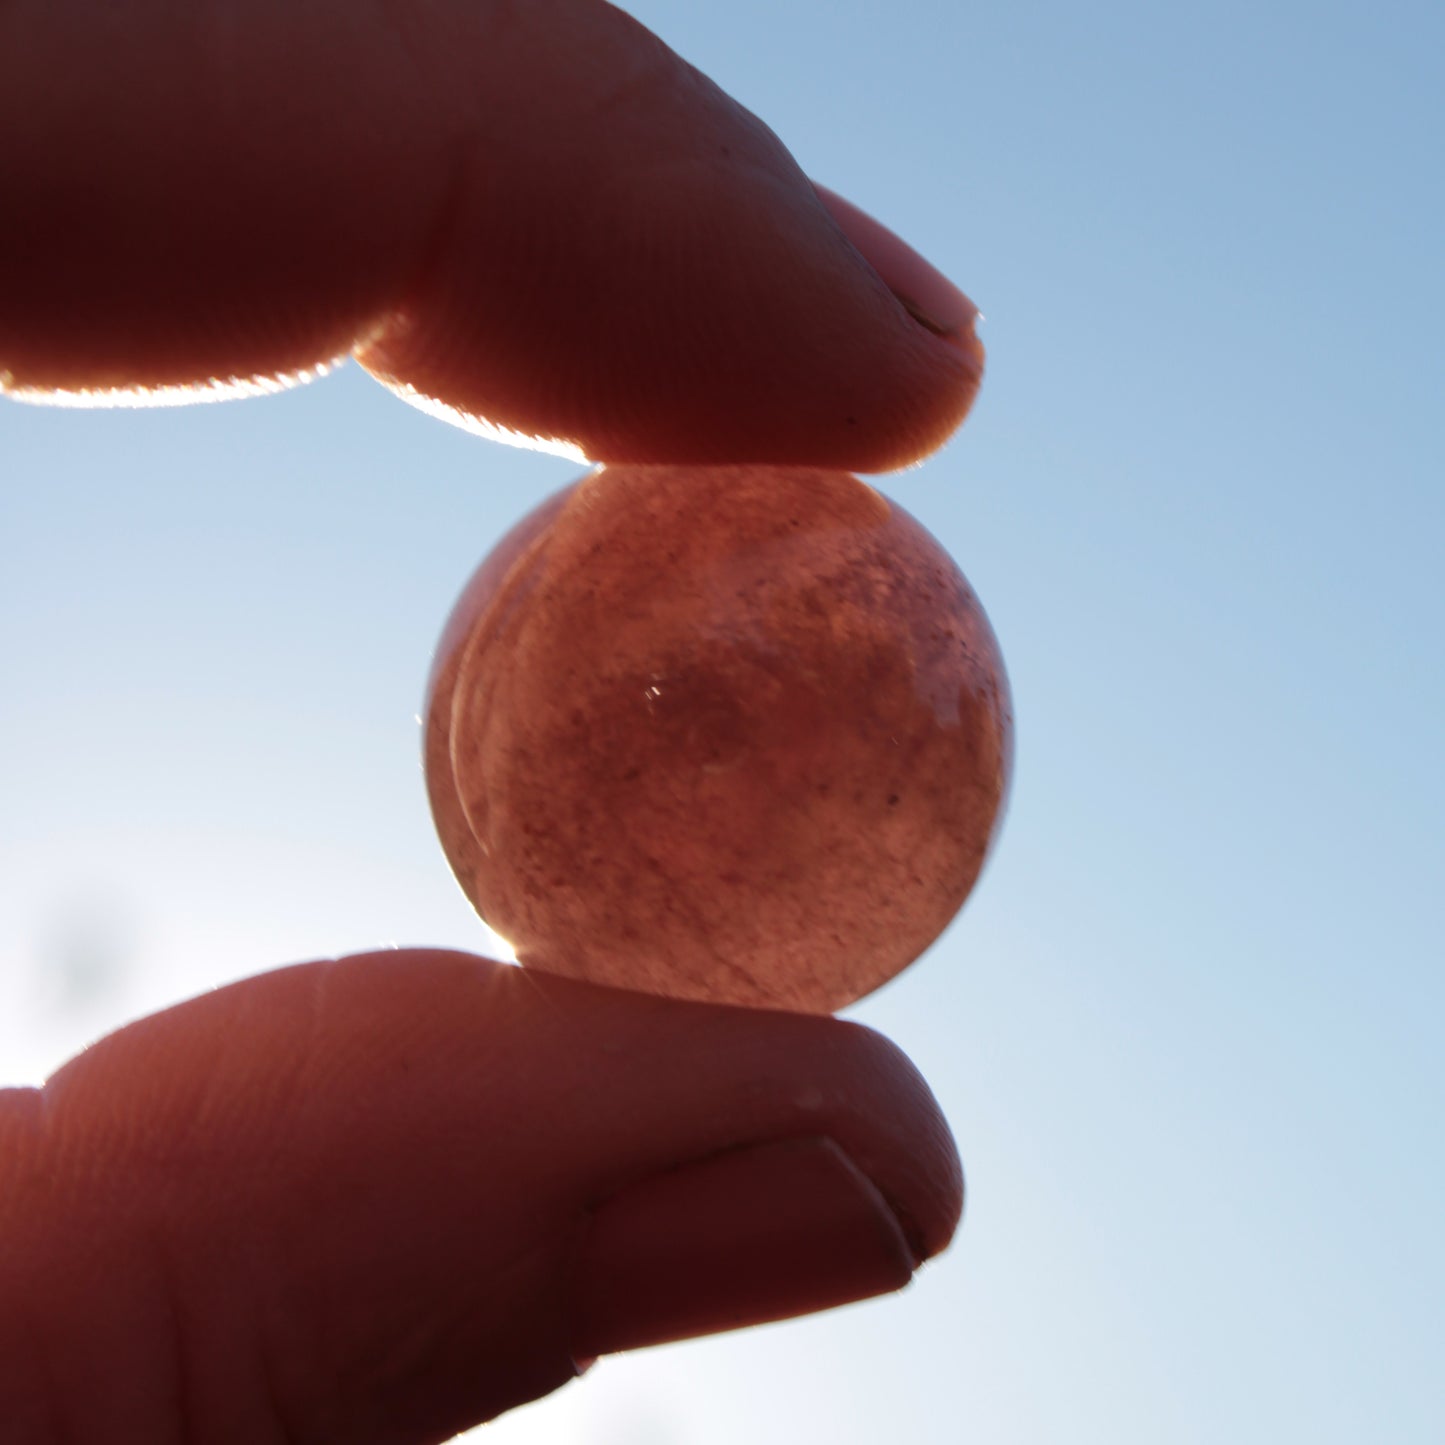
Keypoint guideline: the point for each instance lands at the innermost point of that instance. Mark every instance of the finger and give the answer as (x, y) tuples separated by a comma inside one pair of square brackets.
[(384, 1199), (537, 217), (924, 292)]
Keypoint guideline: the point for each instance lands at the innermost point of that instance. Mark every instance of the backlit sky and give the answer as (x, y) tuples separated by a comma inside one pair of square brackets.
[(1188, 1030)]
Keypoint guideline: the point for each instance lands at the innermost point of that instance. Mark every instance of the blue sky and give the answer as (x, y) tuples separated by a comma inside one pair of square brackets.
[(1188, 1029)]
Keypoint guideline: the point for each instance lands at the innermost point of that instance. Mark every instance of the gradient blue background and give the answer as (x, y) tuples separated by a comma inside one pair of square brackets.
[(1188, 1030)]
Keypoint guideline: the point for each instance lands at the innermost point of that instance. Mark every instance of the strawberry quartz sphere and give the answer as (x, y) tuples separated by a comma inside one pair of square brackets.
[(731, 734)]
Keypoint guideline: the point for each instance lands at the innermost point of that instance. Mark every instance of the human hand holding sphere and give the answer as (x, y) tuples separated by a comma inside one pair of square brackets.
[(384, 1198)]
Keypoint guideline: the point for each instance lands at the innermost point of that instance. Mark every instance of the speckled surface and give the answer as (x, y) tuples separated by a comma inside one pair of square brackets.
[(735, 734)]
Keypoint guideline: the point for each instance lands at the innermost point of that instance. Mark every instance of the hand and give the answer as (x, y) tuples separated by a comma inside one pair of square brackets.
[(383, 1199), (379, 1200), (532, 213)]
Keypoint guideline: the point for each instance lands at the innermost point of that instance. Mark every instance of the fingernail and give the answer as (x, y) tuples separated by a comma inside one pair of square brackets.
[(753, 1235), (923, 290)]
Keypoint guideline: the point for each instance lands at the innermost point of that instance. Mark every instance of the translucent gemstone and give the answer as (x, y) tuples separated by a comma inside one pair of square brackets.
[(733, 734)]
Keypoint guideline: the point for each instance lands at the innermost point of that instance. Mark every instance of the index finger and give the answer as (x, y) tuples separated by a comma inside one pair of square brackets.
[(537, 217)]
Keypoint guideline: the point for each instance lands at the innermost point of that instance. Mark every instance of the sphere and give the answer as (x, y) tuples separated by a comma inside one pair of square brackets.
[(731, 734)]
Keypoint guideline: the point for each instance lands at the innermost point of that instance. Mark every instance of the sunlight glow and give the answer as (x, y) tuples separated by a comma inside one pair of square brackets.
[(220, 388), (495, 946), (479, 426)]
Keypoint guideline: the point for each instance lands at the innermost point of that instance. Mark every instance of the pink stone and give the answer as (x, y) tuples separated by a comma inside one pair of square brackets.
[(733, 734)]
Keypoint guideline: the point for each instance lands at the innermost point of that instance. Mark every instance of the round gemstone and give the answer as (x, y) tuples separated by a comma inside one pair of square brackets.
[(732, 734)]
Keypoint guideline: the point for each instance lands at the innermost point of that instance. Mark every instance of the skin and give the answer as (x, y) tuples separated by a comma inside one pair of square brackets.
[(381, 1199)]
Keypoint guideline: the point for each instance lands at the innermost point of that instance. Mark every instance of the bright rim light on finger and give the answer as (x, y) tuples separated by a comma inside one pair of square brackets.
[(227, 388), (479, 426)]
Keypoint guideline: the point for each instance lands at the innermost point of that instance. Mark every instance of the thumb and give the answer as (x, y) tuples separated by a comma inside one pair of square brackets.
[(534, 217), (385, 1199)]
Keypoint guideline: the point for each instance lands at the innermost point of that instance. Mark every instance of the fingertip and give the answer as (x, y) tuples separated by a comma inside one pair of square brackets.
[(921, 288), (914, 1161), (753, 1235), (934, 302)]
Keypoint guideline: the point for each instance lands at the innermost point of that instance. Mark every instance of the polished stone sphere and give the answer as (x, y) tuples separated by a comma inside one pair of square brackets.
[(731, 734)]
